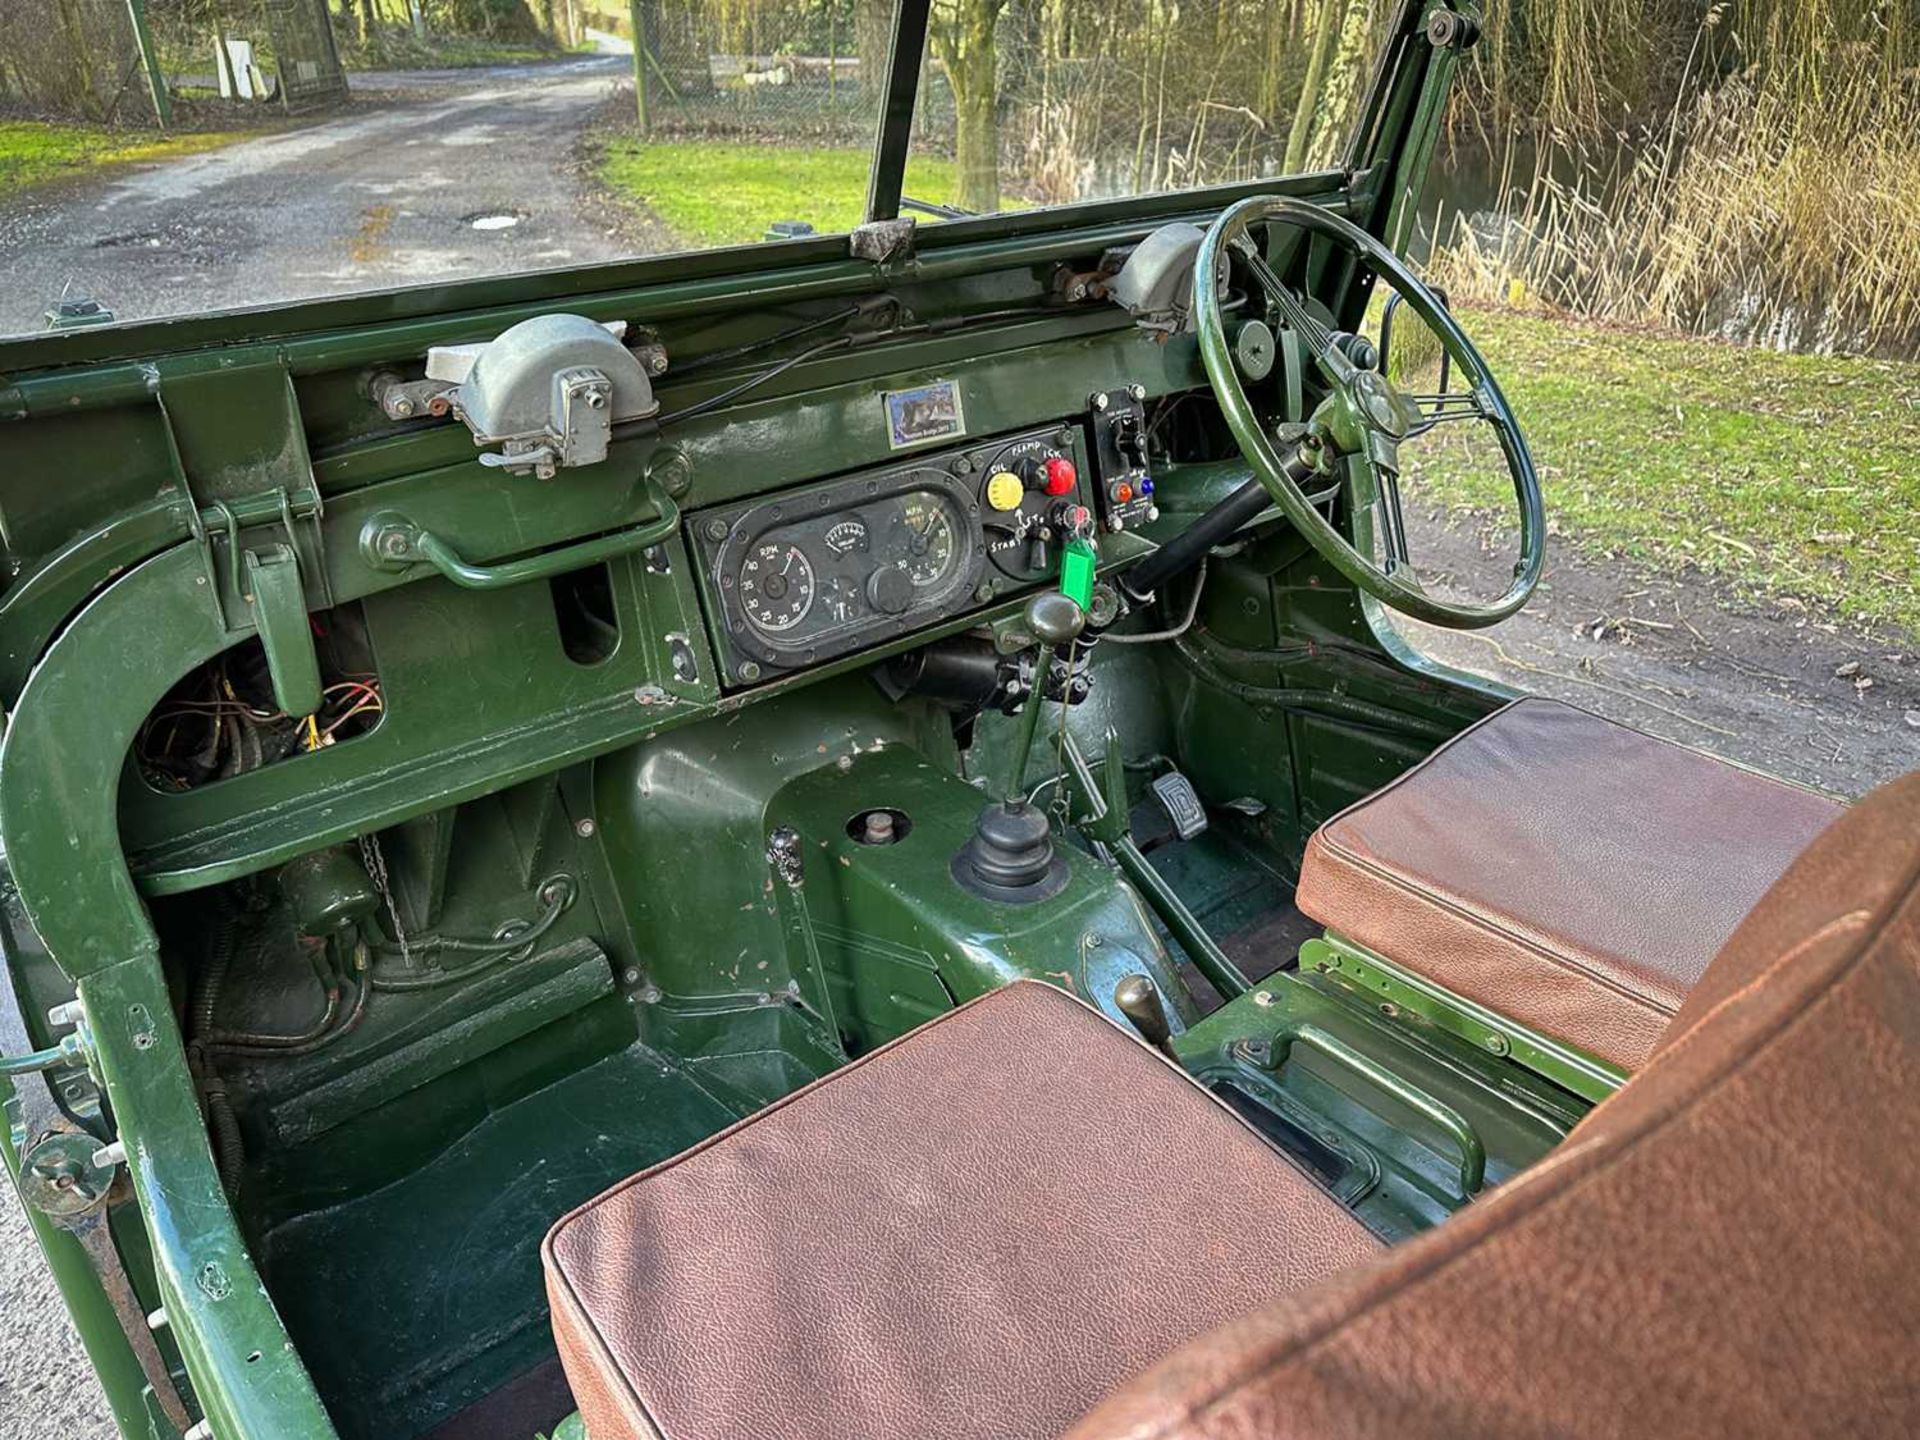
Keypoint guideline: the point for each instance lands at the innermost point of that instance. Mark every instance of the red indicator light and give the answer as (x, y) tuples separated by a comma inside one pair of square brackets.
[(1060, 475), (1123, 493)]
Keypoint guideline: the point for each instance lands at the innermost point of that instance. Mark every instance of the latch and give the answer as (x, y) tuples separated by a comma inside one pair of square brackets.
[(268, 576)]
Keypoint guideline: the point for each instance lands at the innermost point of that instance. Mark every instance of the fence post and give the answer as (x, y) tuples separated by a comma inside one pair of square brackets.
[(637, 10), (156, 82)]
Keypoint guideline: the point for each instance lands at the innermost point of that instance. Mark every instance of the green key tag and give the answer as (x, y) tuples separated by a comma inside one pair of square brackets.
[(1077, 563)]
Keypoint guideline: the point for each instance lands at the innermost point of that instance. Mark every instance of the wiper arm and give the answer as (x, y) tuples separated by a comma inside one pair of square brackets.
[(929, 207)]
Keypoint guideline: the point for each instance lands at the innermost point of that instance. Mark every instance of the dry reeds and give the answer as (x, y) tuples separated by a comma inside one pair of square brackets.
[(1777, 204)]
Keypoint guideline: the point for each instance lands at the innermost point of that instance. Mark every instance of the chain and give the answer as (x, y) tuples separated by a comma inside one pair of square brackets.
[(376, 864)]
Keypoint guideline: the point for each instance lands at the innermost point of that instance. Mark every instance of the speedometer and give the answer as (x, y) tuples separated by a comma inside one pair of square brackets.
[(930, 546), (776, 586)]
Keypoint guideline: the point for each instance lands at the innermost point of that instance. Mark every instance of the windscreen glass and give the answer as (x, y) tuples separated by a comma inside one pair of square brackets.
[(1030, 104)]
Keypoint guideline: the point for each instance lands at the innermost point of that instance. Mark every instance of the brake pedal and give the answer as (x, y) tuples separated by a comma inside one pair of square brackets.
[(1182, 803)]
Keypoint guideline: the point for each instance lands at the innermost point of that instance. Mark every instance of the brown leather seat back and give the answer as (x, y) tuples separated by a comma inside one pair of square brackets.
[(1729, 1247)]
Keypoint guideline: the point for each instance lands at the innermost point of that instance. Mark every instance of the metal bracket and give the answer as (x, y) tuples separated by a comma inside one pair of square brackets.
[(290, 504), (279, 601)]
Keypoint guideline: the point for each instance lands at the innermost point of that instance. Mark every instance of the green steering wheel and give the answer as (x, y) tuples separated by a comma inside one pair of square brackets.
[(1356, 431)]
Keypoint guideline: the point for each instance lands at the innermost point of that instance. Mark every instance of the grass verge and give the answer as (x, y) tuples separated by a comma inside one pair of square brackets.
[(712, 192), (32, 153), (1796, 477)]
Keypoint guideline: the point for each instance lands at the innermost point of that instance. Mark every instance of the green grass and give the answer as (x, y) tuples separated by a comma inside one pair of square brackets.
[(710, 192), (32, 153), (1796, 477)]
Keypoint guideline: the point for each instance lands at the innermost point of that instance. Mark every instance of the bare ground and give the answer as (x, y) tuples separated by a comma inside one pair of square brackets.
[(1775, 686)]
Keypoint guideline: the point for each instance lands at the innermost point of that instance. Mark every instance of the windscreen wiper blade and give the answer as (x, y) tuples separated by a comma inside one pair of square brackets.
[(934, 208)]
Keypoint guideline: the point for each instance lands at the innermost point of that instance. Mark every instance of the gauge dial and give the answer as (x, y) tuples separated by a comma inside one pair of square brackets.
[(776, 586), (848, 535), (930, 546), (841, 599)]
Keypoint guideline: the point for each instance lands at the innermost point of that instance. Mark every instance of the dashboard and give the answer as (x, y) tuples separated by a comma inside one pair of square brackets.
[(816, 572)]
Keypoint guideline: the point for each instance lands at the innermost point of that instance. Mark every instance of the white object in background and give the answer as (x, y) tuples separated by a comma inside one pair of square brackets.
[(236, 74)]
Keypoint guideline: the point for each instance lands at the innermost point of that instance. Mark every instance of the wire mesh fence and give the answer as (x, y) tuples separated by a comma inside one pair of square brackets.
[(83, 60), (1024, 102), (69, 58)]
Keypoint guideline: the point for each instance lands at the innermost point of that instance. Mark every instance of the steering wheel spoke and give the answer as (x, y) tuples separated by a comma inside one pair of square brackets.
[(1391, 520), (1293, 309), (1433, 411), (1364, 418)]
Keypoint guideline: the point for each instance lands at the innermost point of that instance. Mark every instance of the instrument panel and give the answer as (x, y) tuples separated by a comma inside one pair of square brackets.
[(802, 577)]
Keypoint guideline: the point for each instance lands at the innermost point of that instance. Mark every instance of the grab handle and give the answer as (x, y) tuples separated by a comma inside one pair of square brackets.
[(390, 541)]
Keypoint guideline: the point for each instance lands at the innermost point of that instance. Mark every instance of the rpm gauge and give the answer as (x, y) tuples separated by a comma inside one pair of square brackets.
[(776, 586), (930, 543)]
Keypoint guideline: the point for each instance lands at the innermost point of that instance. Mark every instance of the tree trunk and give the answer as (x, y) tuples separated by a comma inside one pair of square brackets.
[(977, 144), (965, 40), (1326, 35), (872, 37)]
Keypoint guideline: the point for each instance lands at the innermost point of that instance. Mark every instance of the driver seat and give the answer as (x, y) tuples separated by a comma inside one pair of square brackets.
[(1562, 870)]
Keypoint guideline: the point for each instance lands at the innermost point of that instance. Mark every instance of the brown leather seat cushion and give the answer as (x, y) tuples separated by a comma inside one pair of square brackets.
[(1728, 1249), (1569, 872), (975, 1231)]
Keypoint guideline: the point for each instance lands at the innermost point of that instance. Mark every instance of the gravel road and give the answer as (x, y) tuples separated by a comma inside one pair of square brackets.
[(428, 176), (46, 1387)]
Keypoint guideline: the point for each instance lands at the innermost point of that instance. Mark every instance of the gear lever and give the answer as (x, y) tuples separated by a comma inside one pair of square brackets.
[(1010, 857), (1054, 620)]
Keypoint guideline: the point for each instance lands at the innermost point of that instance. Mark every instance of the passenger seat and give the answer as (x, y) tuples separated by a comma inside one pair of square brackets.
[(1563, 870)]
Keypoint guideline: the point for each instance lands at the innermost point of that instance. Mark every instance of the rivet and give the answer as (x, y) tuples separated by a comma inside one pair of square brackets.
[(1263, 998), (584, 829)]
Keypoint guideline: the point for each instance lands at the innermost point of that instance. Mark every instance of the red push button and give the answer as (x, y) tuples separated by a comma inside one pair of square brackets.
[(1060, 475)]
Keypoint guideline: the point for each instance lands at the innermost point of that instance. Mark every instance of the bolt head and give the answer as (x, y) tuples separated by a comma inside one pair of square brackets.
[(1263, 998), (584, 829)]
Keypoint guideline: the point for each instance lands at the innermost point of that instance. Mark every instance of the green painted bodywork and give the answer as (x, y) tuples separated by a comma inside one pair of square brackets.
[(583, 957)]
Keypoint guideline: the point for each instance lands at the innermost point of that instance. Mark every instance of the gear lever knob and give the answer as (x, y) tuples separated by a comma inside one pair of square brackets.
[(1055, 618), (1136, 998)]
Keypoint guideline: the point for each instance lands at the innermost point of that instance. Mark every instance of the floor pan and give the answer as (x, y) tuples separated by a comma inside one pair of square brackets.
[(381, 1294)]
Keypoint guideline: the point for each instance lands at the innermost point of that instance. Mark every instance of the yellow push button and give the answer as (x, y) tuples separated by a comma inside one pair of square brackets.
[(1005, 491)]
